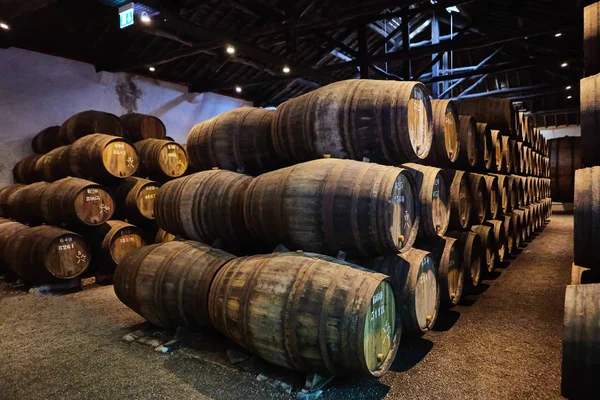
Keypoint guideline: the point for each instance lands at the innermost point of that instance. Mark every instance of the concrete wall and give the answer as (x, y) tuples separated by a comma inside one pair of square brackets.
[(555, 133), (39, 90)]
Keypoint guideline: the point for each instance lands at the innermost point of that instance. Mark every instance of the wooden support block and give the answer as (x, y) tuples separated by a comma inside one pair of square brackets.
[(591, 35)]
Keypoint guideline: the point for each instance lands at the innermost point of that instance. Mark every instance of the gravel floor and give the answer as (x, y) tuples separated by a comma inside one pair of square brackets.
[(503, 343)]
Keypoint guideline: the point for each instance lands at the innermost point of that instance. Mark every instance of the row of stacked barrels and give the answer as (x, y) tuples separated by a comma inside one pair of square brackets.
[(341, 173)]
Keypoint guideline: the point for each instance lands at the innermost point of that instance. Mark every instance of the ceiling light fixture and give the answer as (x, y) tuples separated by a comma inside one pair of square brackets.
[(4, 26), (152, 69), (564, 64), (145, 18), (559, 34), (230, 49), (286, 70), (569, 97), (238, 89), (568, 88)]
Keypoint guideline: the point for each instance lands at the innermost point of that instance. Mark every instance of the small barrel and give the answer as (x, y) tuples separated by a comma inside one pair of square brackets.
[(470, 245), (387, 122), (511, 234), (468, 154), (204, 206), (237, 140), (103, 158), (46, 254), (324, 316), (434, 195), (161, 160), (446, 145), (24, 204), (46, 140), (5, 194), (111, 242), (169, 283), (135, 199), (138, 127), (497, 112), (88, 123), (329, 205), (494, 196), (480, 198), (25, 170), (448, 256), (488, 245), (486, 147), (499, 161), (460, 199), (76, 202), (8, 229), (499, 239), (54, 165)]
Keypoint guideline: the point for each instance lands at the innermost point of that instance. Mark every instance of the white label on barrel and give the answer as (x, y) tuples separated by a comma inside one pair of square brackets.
[(130, 162), (92, 198), (119, 152), (378, 312), (104, 209), (63, 247), (92, 191), (81, 257), (150, 196), (377, 298), (120, 145), (126, 239)]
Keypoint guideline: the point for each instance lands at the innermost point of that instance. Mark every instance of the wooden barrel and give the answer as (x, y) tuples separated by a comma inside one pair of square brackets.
[(46, 254), (486, 146), (434, 196), (76, 202), (8, 229), (468, 154), (325, 316), (499, 239), (522, 160), (521, 193), (387, 122), (237, 140), (507, 154), (522, 223), (161, 160), (451, 272), (5, 194), (138, 127), (480, 198), (507, 190), (580, 350), (494, 197), (527, 218), (460, 199), (511, 234), (111, 242), (54, 165), (24, 171), (515, 156), (488, 245), (204, 206), (512, 192), (446, 144), (88, 123), (516, 222), (499, 164), (135, 199), (470, 245), (163, 236), (565, 159), (103, 158), (497, 112), (46, 140), (329, 205), (169, 283), (24, 204)]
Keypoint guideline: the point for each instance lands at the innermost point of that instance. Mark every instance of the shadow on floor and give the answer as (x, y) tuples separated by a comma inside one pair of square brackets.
[(471, 294), (355, 389), (412, 350), (446, 320)]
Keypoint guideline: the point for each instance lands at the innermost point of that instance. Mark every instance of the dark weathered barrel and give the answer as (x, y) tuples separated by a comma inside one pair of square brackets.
[(480, 198), (138, 127), (565, 159), (204, 206), (135, 199), (520, 214), (8, 229), (488, 245), (515, 156), (74, 201), (111, 242), (521, 195), (511, 234), (486, 147), (446, 145), (25, 170), (434, 196), (499, 162), (385, 121), (460, 199), (163, 236), (468, 154), (497, 112), (5, 194), (45, 254), (448, 256), (470, 245), (46, 140), (24, 204), (103, 158), (161, 160), (507, 155), (237, 140), (88, 123), (494, 196), (499, 239), (54, 165), (506, 193), (329, 205), (325, 316), (169, 283)]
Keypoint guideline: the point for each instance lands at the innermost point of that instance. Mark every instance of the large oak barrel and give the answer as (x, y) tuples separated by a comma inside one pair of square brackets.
[(169, 283), (326, 206), (135, 198), (587, 217), (308, 313), (499, 164), (45, 254), (204, 206), (161, 160), (580, 350), (460, 199), (111, 242), (480, 198), (237, 140), (470, 245), (488, 245), (5, 194), (103, 158), (46, 140), (385, 121), (138, 127), (74, 201), (448, 256), (8, 229), (88, 123), (446, 145), (54, 165), (497, 112), (25, 170), (24, 204), (486, 147), (565, 159), (434, 195), (499, 239), (468, 155)]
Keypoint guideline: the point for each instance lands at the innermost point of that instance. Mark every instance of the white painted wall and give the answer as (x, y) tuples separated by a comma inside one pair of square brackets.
[(555, 133), (38, 90)]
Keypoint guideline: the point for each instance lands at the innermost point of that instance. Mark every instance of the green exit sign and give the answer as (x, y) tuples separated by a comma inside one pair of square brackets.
[(126, 15)]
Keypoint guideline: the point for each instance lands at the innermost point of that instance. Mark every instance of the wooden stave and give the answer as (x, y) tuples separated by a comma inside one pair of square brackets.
[(149, 152), (138, 127), (468, 156), (460, 182), (5, 194), (88, 123), (24, 204), (8, 229), (445, 144), (46, 140), (54, 165), (497, 112), (25, 170)]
